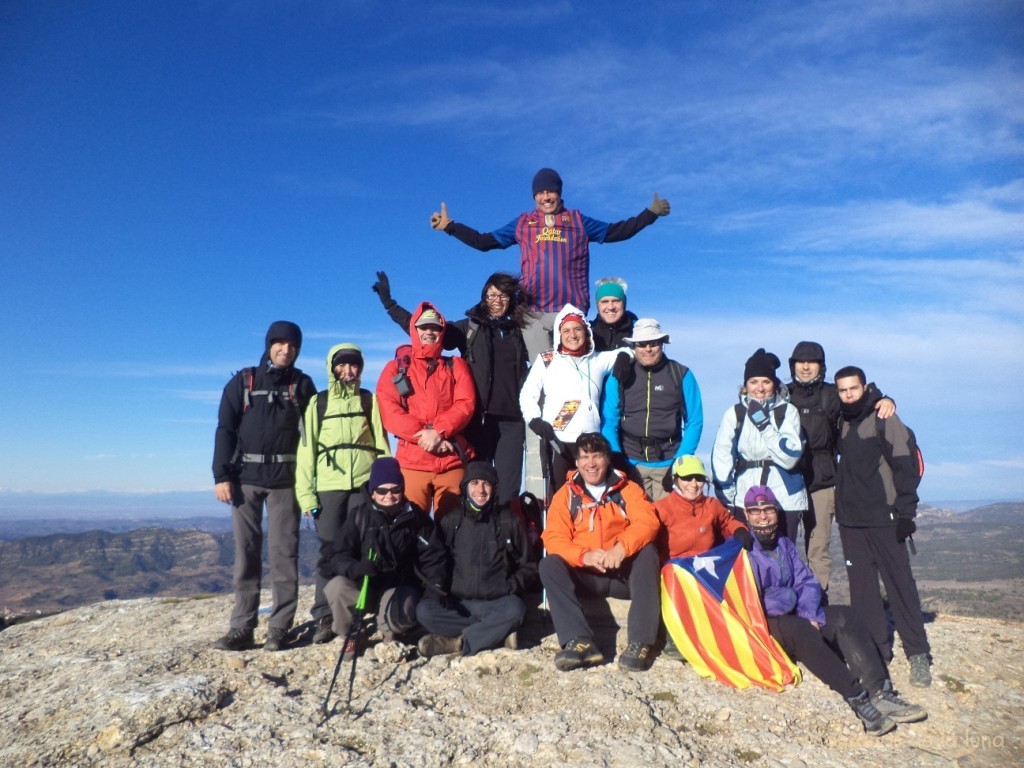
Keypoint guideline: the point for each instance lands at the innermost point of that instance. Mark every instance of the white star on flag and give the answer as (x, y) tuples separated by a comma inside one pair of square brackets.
[(706, 564)]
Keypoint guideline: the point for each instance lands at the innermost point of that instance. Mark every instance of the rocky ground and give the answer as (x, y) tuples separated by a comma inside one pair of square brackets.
[(138, 683)]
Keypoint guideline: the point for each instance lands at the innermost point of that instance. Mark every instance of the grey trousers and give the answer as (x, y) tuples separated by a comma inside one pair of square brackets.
[(820, 517), (396, 613), (482, 623), (283, 533)]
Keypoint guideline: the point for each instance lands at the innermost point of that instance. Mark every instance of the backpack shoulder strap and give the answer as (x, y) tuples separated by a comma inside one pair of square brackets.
[(679, 372), (366, 401)]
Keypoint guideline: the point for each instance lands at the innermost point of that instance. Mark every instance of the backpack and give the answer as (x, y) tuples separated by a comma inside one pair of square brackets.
[(401, 380), (366, 402), (287, 394), (912, 446), (576, 504)]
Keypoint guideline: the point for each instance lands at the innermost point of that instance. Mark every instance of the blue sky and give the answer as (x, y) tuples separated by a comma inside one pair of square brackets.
[(176, 175)]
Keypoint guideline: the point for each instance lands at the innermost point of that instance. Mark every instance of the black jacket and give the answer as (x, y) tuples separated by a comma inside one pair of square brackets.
[(407, 547), (611, 336), (878, 471), (818, 403), (263, 423), (488, 553)]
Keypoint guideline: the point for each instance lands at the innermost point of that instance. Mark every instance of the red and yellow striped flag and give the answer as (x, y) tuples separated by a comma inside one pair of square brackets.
[(713, 613)]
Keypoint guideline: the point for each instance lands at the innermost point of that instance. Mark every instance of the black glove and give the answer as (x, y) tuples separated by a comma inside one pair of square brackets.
[(622, 368), (758, 414), (742, 535), (542, 429), (383, 289), (363, 568), (905, 526)]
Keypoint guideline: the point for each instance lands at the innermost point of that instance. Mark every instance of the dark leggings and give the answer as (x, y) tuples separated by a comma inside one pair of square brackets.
[(819, 650)]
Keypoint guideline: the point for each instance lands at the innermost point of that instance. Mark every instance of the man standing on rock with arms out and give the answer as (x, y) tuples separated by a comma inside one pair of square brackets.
[(599, 539), (876, 503), (258, 431), (555, 250)]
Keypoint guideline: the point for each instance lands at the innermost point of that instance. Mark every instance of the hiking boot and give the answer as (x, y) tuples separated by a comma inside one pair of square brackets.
[(512, 641), (890, 704), (276, 638), (578, 652), (324, 632), (637, 657), (351, 648), (671, 652), (875, 723), (438, 645), (920, 674), (235, 640)]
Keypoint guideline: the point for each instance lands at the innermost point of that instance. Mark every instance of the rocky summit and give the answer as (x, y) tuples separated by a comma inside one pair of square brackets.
[(138, 682)]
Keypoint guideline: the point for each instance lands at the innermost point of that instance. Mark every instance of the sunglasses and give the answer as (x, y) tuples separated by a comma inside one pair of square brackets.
[(647, 344), (393, 490), (698, 478)]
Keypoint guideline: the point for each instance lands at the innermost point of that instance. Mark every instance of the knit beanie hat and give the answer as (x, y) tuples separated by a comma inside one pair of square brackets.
[(349, 353), (547, 179), (385, 471), (480, 470), (613, 287), (283, 330), (761, 363)]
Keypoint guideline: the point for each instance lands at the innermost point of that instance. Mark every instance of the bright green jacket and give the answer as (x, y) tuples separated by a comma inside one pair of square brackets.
[(332, 457)]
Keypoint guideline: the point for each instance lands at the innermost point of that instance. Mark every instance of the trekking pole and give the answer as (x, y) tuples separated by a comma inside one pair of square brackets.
[(356, 625), (361, 609)]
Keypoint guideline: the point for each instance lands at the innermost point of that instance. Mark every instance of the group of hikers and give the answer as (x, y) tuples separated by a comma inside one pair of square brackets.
[(445, 541)]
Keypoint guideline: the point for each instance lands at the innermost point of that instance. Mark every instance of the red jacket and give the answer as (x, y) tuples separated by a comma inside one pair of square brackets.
[(693, 527), (599, 524), (443, 397)]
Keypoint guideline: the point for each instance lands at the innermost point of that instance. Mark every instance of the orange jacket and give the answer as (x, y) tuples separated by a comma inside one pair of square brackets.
[(442, 397), (599, 524), (692, 527)]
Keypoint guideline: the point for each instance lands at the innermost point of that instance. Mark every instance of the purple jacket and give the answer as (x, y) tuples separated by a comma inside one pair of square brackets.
[(787, 584)]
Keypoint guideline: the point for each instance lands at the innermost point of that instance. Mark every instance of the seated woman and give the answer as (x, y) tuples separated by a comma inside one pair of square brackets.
[(816, 635), (692, 523), (569, 379), (759, 443)]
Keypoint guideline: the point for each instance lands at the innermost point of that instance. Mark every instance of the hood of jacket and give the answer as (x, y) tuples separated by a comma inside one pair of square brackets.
[(420, 350), (333, 385), (807, 350), (571, 309)]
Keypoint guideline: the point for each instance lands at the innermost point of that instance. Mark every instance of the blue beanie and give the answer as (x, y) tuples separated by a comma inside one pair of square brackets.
[(385, 471), (547, 179)]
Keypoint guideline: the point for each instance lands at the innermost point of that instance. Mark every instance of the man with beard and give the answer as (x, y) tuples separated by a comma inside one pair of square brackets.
[(258, 430), (488, 568), (876, 502)]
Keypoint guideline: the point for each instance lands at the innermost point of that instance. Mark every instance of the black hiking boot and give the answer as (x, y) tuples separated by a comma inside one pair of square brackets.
[(578, 652), (637, 657), (235, 640), (276, 639), (875, 723)]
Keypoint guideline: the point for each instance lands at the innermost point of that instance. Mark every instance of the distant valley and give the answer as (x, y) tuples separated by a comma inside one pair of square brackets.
[(969, 563)]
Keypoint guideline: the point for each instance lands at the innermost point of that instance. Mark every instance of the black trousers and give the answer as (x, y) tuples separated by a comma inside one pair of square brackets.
[(819, 649), (872, 553), (500, 439), (636, 581)]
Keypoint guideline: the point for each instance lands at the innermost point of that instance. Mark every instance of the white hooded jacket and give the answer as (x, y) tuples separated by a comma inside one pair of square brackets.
[(568, 384)]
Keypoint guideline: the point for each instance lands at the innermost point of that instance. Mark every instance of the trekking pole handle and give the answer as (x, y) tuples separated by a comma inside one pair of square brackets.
[(365, 589)]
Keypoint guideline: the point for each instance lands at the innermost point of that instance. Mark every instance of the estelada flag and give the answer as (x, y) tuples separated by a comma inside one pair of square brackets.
[(713, 613)]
